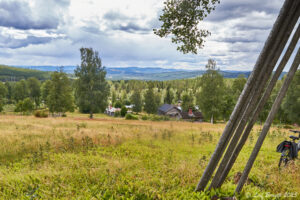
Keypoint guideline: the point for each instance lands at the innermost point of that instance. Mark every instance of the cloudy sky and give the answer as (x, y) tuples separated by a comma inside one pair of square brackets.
[(36, 32)]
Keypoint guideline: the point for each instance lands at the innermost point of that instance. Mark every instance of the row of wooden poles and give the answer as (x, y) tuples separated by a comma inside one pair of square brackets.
[(254, 96)]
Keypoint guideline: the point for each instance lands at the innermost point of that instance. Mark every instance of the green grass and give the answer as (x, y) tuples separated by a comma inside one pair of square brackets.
[(112, 158)]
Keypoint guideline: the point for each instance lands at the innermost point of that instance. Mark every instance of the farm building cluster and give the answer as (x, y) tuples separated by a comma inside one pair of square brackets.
[(172, 111)]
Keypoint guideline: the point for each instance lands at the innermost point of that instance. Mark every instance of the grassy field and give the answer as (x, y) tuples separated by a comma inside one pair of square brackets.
[(109, 158)]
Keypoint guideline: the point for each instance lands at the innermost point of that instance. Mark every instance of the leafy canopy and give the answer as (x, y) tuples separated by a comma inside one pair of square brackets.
[(212, 91), (181, 19), (60, 97)]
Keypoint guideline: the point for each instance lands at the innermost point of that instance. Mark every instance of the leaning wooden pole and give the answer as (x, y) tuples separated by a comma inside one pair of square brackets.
[(260, 106), (227, 133), (269, 121), (256, 93)]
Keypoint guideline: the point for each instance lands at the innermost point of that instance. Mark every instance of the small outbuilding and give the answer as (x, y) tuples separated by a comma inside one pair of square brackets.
[(174, 111), (169, 110)]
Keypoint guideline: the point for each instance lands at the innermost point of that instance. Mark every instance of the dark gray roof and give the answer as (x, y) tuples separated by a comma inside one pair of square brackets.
[(166, 107)]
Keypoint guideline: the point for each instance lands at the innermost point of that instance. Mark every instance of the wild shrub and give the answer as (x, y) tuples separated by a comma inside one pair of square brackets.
[(41, 113), (123, 111), (144, 117), (129, 116)]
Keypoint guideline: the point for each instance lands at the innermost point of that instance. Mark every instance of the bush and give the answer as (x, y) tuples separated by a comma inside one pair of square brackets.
[(118, 104), (123, 111), (144, 117), (129, 116), (64, 115), (41, 113)]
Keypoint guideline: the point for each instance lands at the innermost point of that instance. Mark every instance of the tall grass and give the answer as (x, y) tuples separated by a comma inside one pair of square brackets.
[(110, 158)]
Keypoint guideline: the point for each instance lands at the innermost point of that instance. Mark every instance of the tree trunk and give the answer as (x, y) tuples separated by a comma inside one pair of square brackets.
[(91, 115), (212, 119), (269, 121)]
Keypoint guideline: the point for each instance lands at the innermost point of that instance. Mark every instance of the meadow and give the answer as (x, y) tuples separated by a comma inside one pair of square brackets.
[(111, 158)]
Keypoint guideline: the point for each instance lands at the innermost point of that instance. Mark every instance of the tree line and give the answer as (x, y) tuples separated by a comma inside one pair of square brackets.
[(89, 92)]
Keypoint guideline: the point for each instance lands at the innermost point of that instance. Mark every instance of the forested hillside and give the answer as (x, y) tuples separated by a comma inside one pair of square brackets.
[(214, 100), (8, 73)]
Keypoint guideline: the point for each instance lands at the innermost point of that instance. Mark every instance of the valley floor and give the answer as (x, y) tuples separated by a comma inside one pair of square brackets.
[(111, 158)]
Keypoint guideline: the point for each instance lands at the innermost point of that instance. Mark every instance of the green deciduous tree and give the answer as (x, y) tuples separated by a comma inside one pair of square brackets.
[(181, 19), (136, 100), (113, 98), (3, 94), (91, 88), (227, 104), (238, 85), (150, 102), (9, 95), (187, 102), (45, 89), (34, 90), (20, 91), (169, 96), (291, 104), (210, 97), (25, 107), (3, 90), (60, 98)]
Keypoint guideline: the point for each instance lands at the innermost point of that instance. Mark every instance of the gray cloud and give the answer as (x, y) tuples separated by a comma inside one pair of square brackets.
[(232, 9), (13, 43), (19, 15), (131, 27), (91, 29), (121, 22), (116, 16)]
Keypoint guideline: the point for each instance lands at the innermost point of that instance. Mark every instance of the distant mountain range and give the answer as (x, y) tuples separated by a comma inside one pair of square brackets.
[(138, 73), (16, 73)]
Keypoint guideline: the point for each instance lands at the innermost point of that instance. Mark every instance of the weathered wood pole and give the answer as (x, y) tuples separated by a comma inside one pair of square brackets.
[(243, 99), (260, 106), (256, 94), (269, 121)]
